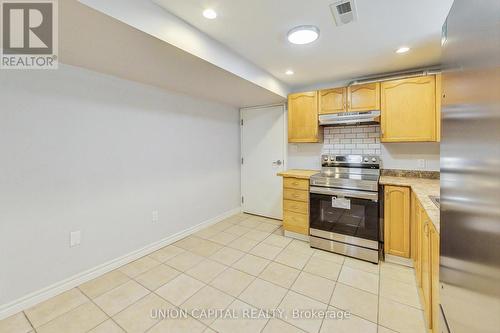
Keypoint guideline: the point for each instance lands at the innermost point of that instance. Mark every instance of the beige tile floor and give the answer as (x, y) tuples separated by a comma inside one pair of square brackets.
[(241, 263)]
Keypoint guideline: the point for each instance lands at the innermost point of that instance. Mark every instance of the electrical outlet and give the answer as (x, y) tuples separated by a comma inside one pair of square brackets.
[(421, 164), (155, 216), (75, 238)]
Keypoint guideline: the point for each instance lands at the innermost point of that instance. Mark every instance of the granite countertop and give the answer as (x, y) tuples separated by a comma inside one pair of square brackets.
[(422, 187), (298, 173)]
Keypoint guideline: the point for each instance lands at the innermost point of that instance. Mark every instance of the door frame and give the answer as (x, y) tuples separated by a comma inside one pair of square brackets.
[(285, 140)]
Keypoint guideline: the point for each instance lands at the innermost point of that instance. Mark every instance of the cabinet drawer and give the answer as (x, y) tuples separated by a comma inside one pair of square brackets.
[(296, 195), (295, 183), (296, 206), (295, 219)]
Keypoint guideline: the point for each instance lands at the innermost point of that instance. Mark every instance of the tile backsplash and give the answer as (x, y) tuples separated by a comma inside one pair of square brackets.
[(352, 140)]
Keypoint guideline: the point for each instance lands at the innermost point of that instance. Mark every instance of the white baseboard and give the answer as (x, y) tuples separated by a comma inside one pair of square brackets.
[(36, 297)]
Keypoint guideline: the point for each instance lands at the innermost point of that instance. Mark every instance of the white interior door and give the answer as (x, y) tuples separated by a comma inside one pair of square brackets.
[(263, 151)]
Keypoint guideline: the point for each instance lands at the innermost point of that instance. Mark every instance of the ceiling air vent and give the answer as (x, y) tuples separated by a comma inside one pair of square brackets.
[(344, 11)]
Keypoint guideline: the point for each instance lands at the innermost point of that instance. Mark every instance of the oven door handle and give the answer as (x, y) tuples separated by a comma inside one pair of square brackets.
[(373, 196)]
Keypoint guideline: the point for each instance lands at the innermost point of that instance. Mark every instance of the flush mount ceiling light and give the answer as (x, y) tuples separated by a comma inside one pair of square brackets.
[(303, 34), (209, 13), (289, 72), (403, 49)]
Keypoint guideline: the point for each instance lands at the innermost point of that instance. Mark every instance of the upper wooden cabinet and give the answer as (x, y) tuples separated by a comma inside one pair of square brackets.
[(332, 100), (397, 221), (303, 123), (363, 97), (439, 94), (408, 110)]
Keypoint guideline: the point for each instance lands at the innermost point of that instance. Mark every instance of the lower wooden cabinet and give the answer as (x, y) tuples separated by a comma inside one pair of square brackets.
[(418, 241), (435, 287), (426, 271), (422, 248), (296, 205), (413, 227), (397, 221), (426, 263)]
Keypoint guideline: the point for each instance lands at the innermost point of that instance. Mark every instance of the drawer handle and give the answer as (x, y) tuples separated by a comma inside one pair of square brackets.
[(295, 183), (295, 195)]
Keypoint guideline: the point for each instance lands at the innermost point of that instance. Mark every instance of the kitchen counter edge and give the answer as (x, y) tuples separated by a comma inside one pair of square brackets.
[(298, 173)]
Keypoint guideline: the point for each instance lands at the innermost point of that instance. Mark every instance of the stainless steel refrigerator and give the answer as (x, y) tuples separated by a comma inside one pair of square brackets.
[(470, 169)]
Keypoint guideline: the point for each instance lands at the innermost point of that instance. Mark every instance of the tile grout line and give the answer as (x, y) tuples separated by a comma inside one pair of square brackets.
[(256, 277), (153, 292), (287, 289), (60, 315), (378, 298), (273, 260), (29, 321), (109, 316), (205, 284), (333, 291), (91, 300)]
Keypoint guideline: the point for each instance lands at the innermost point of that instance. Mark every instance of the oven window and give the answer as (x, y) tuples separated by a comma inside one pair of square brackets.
[(360, 220)]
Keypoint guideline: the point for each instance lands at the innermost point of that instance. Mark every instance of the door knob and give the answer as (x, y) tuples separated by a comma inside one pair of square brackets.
[(278, 162)]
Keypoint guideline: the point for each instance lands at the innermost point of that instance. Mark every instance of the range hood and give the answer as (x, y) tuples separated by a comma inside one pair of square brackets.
[(349, 118)]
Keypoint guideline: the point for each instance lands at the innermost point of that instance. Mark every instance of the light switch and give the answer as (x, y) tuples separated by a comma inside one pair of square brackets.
[(421, 164), (155, 216), (75, 238)]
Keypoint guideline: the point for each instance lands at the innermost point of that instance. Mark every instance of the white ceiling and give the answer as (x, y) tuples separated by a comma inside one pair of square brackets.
[(257, 29)]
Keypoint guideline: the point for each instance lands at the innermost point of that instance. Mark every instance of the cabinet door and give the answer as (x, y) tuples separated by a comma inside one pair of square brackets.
[(296, 222), (364, 97), (397, 221), (408, 110), (435, 279), (413, 227), (332, 100), (426, 270), (419, 230), (439, 94), (303, 123)]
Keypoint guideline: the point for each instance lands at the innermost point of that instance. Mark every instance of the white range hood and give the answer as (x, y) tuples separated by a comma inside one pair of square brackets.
[(349, 118)]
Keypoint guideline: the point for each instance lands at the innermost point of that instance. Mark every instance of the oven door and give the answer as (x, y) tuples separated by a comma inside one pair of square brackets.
[(349, 216)]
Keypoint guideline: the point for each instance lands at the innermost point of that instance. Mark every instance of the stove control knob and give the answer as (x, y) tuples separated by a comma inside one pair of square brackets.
[(365, 160), (374, 159)]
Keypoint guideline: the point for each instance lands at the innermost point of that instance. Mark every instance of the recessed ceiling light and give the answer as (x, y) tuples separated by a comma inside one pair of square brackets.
[(209, 13), (303, 34), (403, 49), (289, 72)]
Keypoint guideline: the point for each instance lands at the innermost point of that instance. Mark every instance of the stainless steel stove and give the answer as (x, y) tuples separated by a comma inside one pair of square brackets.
[(344, 206)]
